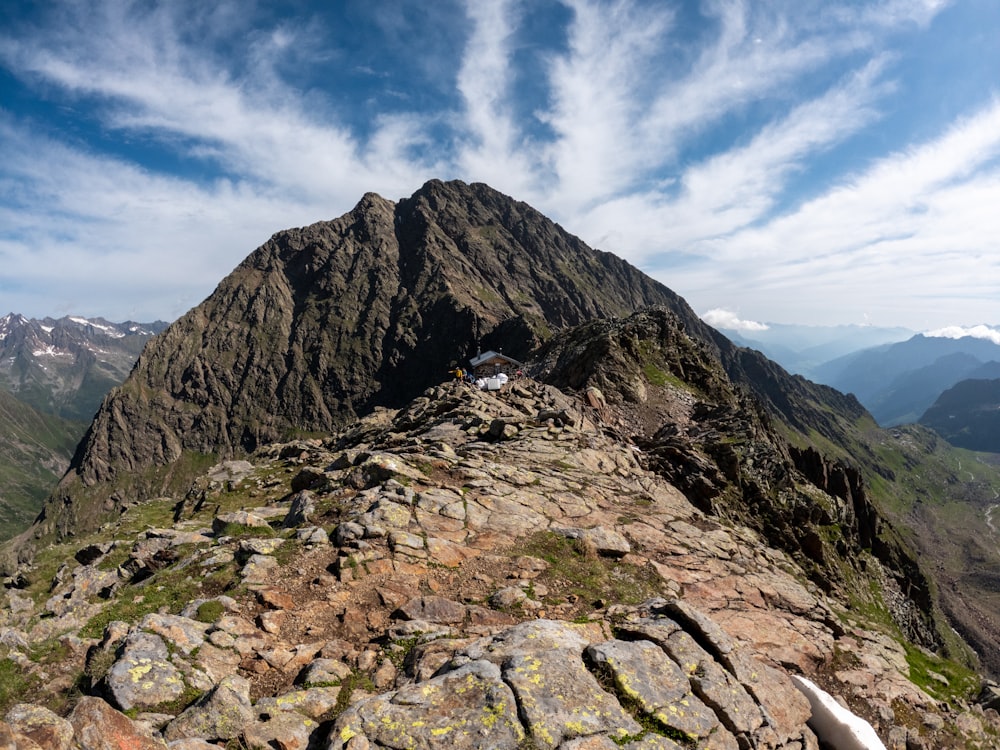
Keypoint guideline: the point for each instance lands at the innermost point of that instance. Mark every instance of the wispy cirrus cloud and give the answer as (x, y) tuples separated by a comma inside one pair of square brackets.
[(675, 135), (914, 220)]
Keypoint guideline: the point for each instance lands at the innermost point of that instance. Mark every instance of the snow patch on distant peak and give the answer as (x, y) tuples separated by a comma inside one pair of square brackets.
[(109, 330), (47, 329), (50, 351), (720, 318), (960, 332)]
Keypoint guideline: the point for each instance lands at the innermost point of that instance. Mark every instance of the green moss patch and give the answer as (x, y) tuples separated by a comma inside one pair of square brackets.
[(577, 571)]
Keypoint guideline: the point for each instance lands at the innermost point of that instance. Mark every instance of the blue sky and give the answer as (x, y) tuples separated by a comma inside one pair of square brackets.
[(795, 161)]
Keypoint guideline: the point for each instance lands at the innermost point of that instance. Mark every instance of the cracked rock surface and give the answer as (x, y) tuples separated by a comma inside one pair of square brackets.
[(529, 587)]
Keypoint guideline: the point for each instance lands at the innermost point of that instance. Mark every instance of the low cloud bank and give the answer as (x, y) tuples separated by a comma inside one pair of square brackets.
[(958, 332), (719, 318)]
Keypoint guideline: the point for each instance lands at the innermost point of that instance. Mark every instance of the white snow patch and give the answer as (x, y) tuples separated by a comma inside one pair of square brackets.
[(958, 332), (109, 330), (834, 724), (47, 329), (51, 351), (719, 318)]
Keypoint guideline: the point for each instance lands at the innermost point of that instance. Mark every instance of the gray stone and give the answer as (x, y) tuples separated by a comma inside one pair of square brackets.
[(287, 730), (710, 682), (314, 702), (258, 569), (467, 708), (347, 532), (649, 678), (508, 598), (302, 510), (184, 633), (222, 714), (325, 672), (434, 609), (559, 699), (312, 535), (143, 677), (239, 518), (605, 541)]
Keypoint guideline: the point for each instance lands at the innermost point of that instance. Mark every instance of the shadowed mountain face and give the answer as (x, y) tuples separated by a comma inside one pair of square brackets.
[(968, 415), (328, 321), (35, 449)]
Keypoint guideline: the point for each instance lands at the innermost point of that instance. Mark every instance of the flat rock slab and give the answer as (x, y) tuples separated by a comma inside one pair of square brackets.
[(468, 708), (651, 680), (435, 609)]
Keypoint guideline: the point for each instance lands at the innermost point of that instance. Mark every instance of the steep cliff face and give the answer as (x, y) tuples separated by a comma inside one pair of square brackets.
[(325, 322), (719, 442)]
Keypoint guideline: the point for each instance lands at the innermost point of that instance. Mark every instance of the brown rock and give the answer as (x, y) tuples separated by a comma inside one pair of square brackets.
[(97, 726), (275, 599), (434, 609), (49, 730)]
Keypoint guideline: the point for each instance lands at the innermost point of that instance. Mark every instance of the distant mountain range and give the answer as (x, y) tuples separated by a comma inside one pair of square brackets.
[(968, 413), (66, 366), (54, 373), (897, 375), (802, 349), (898, 382)]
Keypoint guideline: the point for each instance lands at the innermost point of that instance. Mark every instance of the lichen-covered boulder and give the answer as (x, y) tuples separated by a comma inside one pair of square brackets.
[(221, 714), (143, 676), (465, 709), (40, 724)]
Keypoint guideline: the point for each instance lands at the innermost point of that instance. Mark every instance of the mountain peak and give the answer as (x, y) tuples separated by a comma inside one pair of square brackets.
[(325, 322)]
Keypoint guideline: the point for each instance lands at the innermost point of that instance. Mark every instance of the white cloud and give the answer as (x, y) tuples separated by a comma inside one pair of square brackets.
[(915, 221), (493, 149), (732, 190), (159, 83), (720, 318), (958, 332), (627, 98)]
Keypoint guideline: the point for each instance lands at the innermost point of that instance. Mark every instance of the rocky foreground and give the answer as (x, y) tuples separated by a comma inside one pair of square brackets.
[(474, 570)]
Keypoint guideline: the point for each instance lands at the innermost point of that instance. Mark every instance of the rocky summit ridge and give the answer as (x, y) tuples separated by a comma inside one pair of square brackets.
[(283, 529), (482, 569), (326, 322)]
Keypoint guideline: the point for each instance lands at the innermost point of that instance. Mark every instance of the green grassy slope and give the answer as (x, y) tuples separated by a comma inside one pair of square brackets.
[(35, 450)]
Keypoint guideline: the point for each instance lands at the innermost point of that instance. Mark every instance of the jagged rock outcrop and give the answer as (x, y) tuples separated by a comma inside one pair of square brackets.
[(325, 322), (669, 394), (641, 621)]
